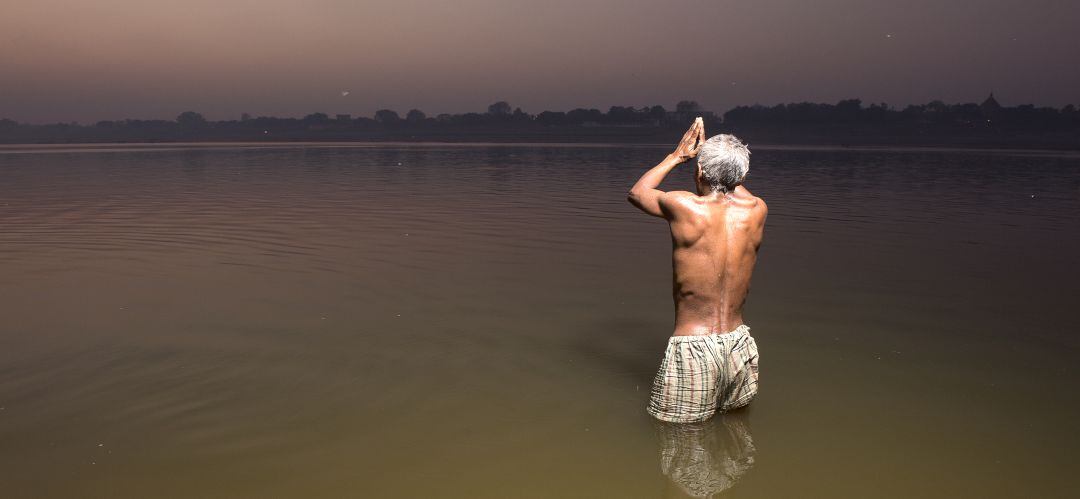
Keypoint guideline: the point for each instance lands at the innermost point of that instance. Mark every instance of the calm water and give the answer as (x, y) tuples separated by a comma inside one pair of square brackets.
[(484, 321)]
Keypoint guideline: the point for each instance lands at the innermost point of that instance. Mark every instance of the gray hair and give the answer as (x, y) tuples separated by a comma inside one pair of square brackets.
[(724, 162)]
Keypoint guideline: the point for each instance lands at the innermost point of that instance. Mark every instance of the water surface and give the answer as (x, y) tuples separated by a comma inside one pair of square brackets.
[(484, 321)]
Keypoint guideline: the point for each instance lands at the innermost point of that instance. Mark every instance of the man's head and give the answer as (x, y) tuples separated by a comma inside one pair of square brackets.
[(723, 162)]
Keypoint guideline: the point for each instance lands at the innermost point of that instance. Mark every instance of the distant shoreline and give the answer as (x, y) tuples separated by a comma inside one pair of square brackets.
[(845, 124), (1067, 141), (36, 147)]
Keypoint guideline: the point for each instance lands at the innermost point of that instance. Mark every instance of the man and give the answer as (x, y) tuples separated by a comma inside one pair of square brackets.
[(711, 362)]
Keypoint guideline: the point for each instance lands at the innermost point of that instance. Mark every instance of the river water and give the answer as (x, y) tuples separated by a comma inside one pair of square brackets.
[(395, 320)]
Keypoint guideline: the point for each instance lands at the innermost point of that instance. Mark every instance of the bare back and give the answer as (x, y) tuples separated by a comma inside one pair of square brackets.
[(715, 239)]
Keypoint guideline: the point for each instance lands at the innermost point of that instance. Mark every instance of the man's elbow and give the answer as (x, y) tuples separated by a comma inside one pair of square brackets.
[(634, 197)]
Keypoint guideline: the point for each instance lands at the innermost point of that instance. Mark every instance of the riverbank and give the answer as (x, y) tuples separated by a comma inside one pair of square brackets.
[(581, 135)]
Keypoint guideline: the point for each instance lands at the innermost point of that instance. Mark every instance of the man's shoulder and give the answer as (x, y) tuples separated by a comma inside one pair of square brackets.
[(759, 212), (756, 204), (760, 206), (676, 200), (678, 196)]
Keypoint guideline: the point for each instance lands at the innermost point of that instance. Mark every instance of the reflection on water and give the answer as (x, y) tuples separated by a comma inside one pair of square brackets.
[(447, 321), (706, 458)]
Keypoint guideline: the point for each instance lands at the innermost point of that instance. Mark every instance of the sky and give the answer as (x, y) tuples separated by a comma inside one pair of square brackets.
[(79, 60)]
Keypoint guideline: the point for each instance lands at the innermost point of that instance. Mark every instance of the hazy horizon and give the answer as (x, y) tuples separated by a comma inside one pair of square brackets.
[(114, 59)]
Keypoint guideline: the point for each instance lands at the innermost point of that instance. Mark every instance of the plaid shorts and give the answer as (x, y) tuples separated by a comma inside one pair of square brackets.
[(702, 374)]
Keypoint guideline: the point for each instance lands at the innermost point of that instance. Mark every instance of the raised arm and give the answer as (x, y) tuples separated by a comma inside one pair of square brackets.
[(644, 194)]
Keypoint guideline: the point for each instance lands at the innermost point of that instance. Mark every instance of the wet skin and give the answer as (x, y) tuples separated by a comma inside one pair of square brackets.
[(715, 239)]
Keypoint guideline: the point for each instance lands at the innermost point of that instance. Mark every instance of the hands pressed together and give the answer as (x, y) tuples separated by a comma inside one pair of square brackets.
[(691, 142)]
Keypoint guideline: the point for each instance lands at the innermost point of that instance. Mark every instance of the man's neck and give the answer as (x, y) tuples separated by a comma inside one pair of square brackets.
[(711, 195)]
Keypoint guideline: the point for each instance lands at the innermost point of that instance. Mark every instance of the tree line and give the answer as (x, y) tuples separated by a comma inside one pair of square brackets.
[(789, 122)]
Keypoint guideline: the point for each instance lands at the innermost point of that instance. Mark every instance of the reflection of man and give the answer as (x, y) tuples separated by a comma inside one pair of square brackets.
[(705, 458), (711, 362)]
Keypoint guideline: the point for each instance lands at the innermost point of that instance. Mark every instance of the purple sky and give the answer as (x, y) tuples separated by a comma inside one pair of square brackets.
[(77, 60)]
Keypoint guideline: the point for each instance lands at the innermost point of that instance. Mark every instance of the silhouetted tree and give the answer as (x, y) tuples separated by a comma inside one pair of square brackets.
[(551, 118), (687, 106), (501, 108), (387, 116), (1070, 117), (877, 113), (657, 113), (415, 116), (848, 110), (190, 119), (521, 116), (579, 116), (470, 119), (620, 114)]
